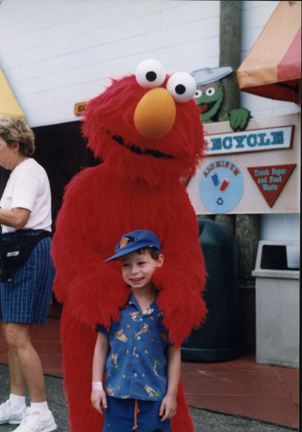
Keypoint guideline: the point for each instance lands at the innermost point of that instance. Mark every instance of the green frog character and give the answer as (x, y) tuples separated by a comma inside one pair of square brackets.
[(209, 97)]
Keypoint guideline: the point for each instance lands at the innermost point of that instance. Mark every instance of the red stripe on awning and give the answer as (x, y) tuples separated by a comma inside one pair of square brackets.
[(290, 66), (272, 68)]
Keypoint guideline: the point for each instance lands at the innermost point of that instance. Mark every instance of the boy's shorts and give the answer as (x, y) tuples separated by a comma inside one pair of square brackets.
[(122, 416)]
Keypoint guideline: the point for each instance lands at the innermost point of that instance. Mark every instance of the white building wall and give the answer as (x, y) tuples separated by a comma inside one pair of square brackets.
[(60, 52), (280, 227)]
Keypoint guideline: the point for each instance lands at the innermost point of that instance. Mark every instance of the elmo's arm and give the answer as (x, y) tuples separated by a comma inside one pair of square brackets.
[(93, 291), (182, 278)]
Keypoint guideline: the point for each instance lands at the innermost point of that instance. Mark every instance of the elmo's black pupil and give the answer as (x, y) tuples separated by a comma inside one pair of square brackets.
[(151, 76), (180, 89)]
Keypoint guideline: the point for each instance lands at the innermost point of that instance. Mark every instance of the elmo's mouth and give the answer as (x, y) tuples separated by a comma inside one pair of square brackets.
[(137, 150)]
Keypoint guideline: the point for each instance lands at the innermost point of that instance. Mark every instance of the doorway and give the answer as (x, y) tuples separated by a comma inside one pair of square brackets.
[(61, 150)]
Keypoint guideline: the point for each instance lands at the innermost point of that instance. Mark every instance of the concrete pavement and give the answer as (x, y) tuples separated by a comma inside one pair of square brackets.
[(205, 421)]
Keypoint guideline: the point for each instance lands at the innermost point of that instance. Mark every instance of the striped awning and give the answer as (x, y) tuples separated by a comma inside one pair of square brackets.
[(272, 68), (9, 106)]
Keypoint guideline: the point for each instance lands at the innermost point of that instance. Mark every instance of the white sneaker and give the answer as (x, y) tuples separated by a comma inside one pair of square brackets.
[(33, 421), (10, 413)]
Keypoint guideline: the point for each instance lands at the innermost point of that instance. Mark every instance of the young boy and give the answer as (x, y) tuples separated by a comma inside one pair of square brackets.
[(142, 366)]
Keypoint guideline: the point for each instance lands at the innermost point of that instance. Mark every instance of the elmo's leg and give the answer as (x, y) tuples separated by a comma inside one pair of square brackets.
[(78, 346), (182, 421)]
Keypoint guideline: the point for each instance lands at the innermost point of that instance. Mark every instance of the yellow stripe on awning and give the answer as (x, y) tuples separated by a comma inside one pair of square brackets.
[(259, 72), (9, 106)]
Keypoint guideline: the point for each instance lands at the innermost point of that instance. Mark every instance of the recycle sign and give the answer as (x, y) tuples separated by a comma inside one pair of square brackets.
[(221, 186)]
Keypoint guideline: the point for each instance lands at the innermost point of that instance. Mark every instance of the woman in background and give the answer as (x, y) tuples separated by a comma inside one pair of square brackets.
[(25, 211)]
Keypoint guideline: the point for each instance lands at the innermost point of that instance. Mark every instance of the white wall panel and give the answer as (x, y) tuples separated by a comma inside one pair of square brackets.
[(56, 53), (280, 227), (59, 52)]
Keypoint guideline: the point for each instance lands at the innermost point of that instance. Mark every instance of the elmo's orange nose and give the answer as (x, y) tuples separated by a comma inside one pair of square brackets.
[(155, 113)]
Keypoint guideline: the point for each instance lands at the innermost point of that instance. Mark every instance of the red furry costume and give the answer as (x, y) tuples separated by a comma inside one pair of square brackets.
[(137, 186)]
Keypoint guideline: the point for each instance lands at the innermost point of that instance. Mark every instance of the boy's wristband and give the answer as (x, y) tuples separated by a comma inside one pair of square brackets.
[(97, 385)]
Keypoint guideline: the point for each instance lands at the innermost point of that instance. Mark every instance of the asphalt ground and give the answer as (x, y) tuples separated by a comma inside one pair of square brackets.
[(205, 421)]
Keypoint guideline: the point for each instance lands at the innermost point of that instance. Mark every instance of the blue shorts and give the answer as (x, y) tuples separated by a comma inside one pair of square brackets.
[(120, 416), (27, 297)]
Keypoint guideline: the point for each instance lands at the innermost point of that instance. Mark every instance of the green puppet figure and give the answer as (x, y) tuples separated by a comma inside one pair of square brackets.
[(209, 97)]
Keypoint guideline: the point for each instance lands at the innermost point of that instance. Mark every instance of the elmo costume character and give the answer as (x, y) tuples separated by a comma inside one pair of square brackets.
[(146, 131)]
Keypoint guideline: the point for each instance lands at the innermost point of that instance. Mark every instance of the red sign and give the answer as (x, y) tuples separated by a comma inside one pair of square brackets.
[(271, 180), (80, 108)]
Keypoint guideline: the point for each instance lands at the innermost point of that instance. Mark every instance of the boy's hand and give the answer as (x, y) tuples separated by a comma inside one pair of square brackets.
[(99, 400), (168, 408)]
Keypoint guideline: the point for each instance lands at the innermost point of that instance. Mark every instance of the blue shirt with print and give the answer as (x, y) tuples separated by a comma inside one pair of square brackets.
[(136, 366)]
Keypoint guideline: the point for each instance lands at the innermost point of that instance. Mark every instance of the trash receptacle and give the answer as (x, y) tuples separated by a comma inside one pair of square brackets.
[(277, 303), (217, 339)]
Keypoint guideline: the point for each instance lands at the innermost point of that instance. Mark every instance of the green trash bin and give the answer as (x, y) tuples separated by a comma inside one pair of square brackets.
[(217, 339)]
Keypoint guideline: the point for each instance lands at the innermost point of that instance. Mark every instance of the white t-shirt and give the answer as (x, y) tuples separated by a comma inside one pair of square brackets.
[(28, 187)]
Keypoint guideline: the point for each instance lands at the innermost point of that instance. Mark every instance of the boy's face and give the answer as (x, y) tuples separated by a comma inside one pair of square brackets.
[(137, 269)]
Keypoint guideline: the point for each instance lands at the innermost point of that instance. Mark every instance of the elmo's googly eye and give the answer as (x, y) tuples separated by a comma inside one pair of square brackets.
[(182, 86), (197, 94), (150, 74)]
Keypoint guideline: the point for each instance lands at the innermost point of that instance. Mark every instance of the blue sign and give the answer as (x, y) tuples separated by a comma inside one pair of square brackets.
[(220, 186)]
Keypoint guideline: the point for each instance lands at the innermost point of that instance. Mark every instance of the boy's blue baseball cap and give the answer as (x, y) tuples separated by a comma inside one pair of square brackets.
[(134, 241)]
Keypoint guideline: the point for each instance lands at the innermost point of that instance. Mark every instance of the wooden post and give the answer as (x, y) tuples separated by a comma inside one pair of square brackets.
[(246, 228), (230, 45)]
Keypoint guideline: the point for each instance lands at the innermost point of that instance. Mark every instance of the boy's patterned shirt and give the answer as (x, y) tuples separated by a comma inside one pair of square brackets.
[(136, 363)]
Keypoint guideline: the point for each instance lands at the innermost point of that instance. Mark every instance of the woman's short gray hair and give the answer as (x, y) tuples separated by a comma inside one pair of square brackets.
[(14, 129)]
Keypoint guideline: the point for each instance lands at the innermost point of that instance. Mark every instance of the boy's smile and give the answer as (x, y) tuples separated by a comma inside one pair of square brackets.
[(138, 268)]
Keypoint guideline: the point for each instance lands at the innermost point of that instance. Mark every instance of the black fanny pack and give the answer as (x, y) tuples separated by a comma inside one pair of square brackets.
[(15, 251)]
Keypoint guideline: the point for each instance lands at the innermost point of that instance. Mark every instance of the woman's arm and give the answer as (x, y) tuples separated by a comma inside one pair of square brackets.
[(169, 405), (98, 397), (16, 217)]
